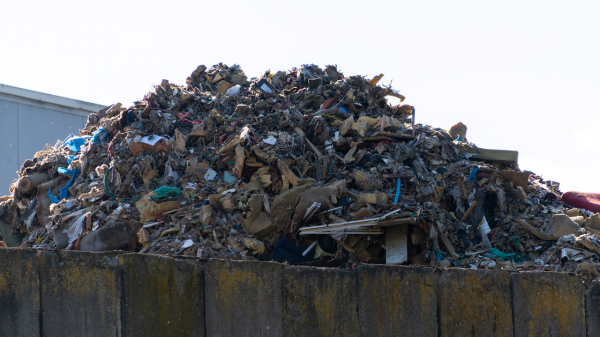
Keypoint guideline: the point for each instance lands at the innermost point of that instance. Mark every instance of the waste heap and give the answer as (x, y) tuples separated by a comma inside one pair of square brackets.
[(306, 166)]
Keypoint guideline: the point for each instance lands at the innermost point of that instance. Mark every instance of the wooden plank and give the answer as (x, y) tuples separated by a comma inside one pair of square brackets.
[(469, 210), (535, 231), (198, 133), (500, 156), (445, 239), (396, 222), (394, 175), (376, 139), (396, 243), (399, 215), (395, 136), (314, 148), (389, 136), (517, 178)]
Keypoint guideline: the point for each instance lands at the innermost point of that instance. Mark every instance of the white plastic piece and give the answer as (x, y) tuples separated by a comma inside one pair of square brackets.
[(485, 226), (234, 90), (210, 175), (312, 245), (266, 88), (187, 243)]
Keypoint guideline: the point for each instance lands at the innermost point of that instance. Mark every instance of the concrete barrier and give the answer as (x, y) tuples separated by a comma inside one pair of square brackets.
[(592, 310), (548, 304), (67, 293), (243, 298), (19, 293), (162, 296), (319, 302), (474, 303), (80, 294), (396, 301)]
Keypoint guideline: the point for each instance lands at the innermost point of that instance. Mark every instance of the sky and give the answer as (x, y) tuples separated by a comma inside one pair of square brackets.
[(522, 75)]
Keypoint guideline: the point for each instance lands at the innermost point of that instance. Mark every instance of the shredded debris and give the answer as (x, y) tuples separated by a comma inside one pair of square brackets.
[(306, 166)]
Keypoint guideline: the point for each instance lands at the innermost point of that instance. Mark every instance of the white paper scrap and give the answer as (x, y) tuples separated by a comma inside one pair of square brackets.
[(151, 140), (271, 140)]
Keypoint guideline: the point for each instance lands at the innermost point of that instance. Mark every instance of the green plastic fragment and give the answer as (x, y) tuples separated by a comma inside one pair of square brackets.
[(229, 178), (504, 256), (163, 191)]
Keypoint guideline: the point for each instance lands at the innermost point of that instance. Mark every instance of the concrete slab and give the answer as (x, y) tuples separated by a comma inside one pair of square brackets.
[(396, 301), (548, 304), (592, 310), (243, 298), (319, 302), (19, 293), (474, 303), (81, 294), (162, 296)]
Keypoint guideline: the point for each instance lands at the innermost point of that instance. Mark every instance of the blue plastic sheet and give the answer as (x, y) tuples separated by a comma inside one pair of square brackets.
[(440, 255), (130, 117), (99, 135), (473, 173), (53, 198), (64, 192), (594, 241), (287, 250), (74, 143)]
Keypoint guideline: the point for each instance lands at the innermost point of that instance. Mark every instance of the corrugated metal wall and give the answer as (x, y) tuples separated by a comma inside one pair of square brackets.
[(24, 130)]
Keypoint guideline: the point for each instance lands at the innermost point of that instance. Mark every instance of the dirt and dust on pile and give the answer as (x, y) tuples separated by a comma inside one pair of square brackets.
[(306, 166)]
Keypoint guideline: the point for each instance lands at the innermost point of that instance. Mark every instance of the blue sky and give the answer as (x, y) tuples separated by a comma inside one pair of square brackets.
[(521, 75)]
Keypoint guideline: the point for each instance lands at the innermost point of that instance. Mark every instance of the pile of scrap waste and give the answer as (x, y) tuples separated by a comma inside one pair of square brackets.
[(306, 166)]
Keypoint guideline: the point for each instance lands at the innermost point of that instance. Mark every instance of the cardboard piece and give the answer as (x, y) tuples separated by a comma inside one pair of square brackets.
[(562, 224)]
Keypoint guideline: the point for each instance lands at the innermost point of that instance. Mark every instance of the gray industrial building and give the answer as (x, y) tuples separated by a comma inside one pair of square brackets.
[(29, 120)]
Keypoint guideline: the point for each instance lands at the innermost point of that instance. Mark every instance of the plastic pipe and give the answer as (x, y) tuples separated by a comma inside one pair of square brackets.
[(397, 191)]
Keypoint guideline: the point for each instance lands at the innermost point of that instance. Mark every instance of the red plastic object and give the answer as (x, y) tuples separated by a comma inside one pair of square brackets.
[(588, 201), (183, 117), (327, 103)]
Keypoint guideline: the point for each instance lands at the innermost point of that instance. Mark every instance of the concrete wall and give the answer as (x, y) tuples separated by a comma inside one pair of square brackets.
[(29, 120), (83, 294)]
